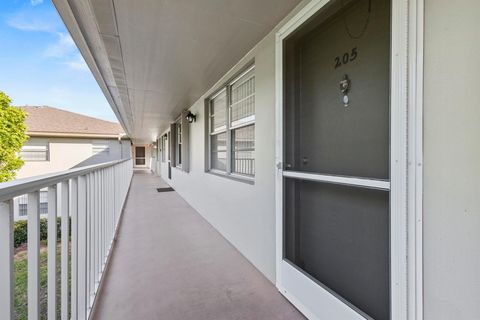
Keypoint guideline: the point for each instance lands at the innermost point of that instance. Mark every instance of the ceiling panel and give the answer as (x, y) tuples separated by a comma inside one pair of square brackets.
[(164, 54)]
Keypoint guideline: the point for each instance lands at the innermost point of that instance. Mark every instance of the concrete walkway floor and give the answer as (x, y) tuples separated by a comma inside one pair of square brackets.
[(169, 263)]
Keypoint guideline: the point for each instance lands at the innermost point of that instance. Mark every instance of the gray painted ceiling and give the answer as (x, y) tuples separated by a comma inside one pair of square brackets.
[(157, 57)]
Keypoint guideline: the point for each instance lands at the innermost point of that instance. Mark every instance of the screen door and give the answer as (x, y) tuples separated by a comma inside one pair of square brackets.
[(140, 156), (336, 161)]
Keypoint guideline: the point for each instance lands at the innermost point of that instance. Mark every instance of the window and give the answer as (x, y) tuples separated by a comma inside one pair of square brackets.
[(232, 127), (35, 152), (179, 144), (163, 144), (23, 203)]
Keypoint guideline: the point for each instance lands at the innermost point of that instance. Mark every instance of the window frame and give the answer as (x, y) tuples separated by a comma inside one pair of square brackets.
[(47, 152), (163, 146), (228, 128), (178, 143)]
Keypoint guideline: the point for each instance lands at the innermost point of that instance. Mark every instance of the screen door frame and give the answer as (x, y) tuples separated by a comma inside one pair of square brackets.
[(406, 72), (140, 158)]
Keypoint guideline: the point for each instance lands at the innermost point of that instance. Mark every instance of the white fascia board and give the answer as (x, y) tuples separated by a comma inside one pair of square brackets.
[(75, 24)]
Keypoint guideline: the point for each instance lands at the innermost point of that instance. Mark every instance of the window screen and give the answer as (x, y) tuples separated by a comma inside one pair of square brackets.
[(218, 147), (242, 107), (243, 144), (218, 112), (339, 235)]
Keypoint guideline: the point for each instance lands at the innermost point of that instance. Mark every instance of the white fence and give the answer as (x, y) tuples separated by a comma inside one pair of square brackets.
[(93, 197)]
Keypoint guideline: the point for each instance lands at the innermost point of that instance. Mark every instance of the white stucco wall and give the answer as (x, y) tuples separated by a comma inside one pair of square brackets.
[(452, 160), (67, 153)]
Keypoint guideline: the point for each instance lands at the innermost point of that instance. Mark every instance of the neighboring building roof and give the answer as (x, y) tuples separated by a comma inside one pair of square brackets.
[(48, 121)]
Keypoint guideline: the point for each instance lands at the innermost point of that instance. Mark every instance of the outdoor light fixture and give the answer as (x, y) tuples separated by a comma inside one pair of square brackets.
[(190, 117)]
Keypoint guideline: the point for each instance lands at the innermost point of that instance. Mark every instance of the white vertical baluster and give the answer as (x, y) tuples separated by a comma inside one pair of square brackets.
[(104, 217), (95, 233), (100, 224), (88, 235), (33, 225), (106, 205), (6, 260), (52, 253), (111, 206), (93, 226), (73, 209), (105, 236), (62, 205), (82, 247), (109, 209)]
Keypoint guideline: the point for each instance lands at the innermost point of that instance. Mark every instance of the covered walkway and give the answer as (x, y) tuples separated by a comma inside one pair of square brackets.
[(169, 263)]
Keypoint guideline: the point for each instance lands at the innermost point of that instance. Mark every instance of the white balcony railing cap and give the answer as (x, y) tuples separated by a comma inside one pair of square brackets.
[(11, 189)]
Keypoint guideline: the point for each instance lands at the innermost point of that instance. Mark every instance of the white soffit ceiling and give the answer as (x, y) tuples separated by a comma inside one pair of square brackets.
[(154, 58)]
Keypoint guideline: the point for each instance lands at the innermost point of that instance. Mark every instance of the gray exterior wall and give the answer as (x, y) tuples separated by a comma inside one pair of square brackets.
[(452, 160)]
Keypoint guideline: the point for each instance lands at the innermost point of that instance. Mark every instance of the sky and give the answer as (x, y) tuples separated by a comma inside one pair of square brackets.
[(40, 64)]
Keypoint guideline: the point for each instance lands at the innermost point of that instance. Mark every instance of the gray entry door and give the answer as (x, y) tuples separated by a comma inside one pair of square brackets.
[(336, 203)]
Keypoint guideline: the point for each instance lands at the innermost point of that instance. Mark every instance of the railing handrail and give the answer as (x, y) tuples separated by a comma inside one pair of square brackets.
[(11, 189)]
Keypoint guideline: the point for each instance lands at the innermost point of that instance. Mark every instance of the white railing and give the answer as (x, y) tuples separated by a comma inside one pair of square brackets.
[(93, 198)]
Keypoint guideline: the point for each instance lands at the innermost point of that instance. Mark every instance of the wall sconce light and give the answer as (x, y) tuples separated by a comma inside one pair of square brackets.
[(190, 117)]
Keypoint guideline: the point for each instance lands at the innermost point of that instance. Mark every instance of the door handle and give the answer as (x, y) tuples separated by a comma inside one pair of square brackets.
[(281, 165)]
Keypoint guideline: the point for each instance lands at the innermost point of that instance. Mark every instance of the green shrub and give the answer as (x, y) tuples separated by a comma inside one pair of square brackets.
[(20, 231)]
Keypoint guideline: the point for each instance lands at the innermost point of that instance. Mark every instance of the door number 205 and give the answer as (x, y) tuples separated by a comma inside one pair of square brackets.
[(346, 58)]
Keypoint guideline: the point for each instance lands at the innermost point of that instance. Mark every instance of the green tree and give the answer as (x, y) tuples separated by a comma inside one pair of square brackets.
[(12, 137)]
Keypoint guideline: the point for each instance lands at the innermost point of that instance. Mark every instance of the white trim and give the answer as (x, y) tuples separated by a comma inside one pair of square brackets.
[(398, 159), (252, 67), (279, 165), (405, 291), (415, 160), (243, 122), (349, 181), (216, 94)]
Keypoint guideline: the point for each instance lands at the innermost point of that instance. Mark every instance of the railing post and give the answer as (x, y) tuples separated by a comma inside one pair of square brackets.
[(33, 255), (52, 253), (62, 198), (6, 260)]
